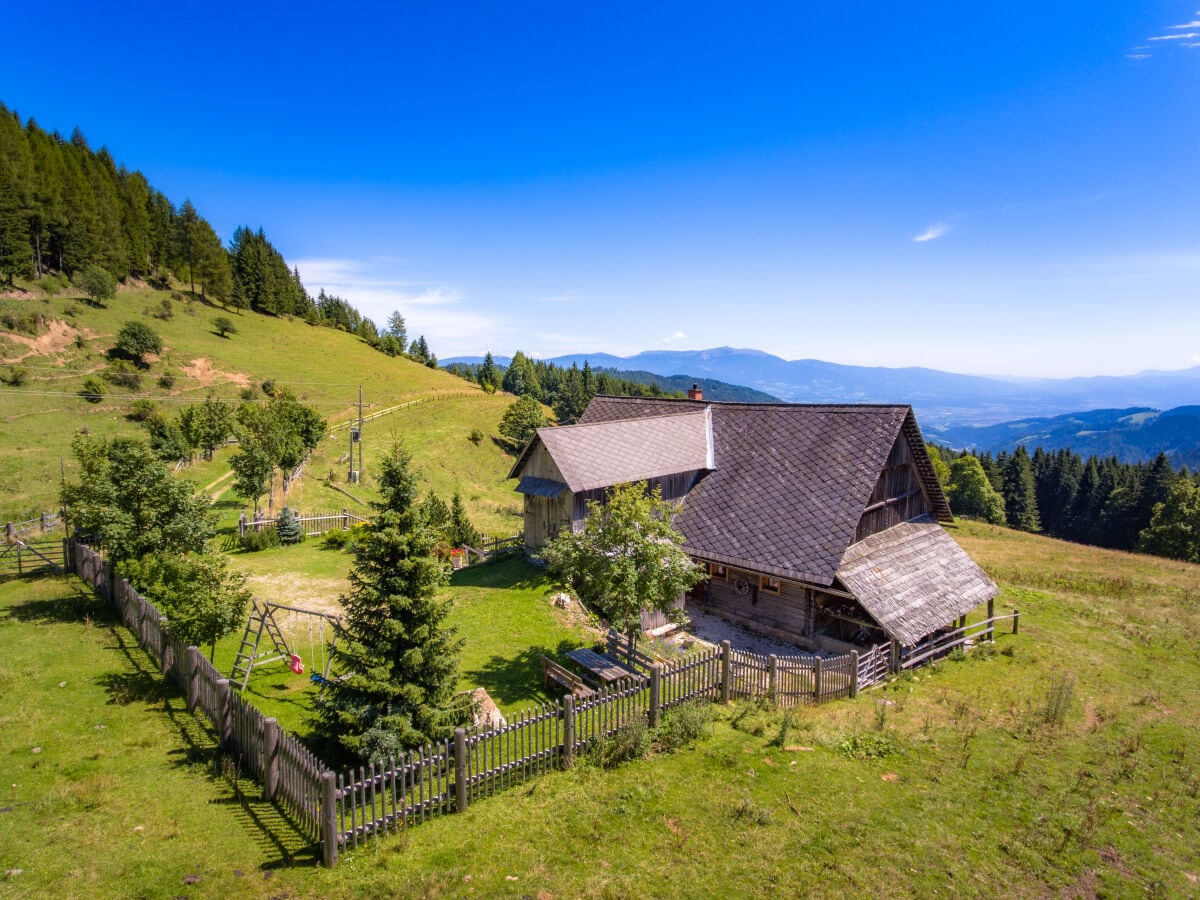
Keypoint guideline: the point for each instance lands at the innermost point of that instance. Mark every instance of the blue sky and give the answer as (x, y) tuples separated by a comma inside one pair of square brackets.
[(990, 189)]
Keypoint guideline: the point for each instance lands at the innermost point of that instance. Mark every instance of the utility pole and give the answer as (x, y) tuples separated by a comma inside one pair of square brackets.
[(356, 438), (360, 432)]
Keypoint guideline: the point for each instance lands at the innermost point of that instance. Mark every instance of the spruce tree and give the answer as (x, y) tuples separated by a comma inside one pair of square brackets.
[(1020, 495), (461, 532), (288, 527), (394, 638)]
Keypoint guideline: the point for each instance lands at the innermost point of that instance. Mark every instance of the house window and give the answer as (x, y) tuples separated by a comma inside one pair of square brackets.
[(718, 572), (769, 585)]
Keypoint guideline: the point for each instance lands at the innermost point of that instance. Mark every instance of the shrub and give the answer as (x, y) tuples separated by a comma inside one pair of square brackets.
[(16, 376), (122, 374), (93, 389), (262, 539), (268, 387), (135, 340), (683, 725), (22, 323), (164, 311), (336, 539), (223, 326), (288, 527), (476, 436), (631, 741), (166, 381), (141, 410)]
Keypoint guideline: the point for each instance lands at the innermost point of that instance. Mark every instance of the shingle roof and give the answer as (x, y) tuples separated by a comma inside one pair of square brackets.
[(913, 578), (602, 454), (791, 480)]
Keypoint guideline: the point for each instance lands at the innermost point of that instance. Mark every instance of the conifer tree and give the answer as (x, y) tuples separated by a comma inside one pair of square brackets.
[(394, 637), (461, 531), (1020, 495), (288, 527)]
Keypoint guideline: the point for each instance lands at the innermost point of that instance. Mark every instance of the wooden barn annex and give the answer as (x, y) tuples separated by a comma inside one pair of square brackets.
[(818, 524)]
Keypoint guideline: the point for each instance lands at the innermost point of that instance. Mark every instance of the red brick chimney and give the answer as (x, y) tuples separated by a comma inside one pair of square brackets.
[(695, 393)]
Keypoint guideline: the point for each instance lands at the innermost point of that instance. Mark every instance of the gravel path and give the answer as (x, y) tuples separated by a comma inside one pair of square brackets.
[(711, 629)]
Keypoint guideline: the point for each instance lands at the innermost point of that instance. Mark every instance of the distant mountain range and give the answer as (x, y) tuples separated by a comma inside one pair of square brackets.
[(1137, 434), (941, 399)]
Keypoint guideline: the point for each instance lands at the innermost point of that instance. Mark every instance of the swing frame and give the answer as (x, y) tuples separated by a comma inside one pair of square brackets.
[(265, 609)]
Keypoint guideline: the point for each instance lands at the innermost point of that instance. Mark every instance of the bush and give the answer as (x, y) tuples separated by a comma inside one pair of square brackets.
[(93, 389), (141, 410), (166, 381), (135, 340), (336, 539), (262, 539), (164, 311), (223, 326), (122, 374), (16, 376), (22, 323), (476, 436), (683, 725), (631, 741)]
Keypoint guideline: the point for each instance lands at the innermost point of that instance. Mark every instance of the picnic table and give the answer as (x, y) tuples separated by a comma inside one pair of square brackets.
[(604, 667)]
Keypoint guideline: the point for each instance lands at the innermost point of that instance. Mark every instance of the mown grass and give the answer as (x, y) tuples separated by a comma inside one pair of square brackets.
[(1063, 760), (501, 609), (323, 366)]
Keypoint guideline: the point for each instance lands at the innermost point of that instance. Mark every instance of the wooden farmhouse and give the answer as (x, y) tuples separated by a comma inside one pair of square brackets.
[(818, 525)]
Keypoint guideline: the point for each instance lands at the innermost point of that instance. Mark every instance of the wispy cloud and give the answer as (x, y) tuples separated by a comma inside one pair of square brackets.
[(670, 339), (932, 233), (1175, 37), (1195, 23), (1137, 55)]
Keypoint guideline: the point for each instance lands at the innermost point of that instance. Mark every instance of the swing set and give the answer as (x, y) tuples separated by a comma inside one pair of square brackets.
[(262, 622)]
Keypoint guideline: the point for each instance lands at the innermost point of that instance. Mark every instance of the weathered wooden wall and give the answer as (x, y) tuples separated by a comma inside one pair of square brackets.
[(674, 488), (544, 516), (898, 495)]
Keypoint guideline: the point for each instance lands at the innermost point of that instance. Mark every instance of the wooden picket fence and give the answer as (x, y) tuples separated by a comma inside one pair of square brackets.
[(313, 524), (341, 810), (290, 774)]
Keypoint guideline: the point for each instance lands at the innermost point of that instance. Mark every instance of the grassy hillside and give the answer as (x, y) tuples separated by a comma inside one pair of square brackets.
[(322, 366), (1063, 760)]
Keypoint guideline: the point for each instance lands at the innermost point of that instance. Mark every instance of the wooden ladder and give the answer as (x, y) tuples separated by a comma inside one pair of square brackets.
[(262, 619)]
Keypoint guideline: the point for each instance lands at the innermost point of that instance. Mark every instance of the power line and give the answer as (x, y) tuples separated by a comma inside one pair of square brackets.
[(77, 394)]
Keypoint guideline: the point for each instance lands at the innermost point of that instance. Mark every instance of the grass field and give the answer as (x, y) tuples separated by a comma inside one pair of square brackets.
[(1064, 760), (501, 610), (323, 366)]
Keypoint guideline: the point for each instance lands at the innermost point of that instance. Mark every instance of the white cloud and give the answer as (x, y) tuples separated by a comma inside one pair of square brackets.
[(1195, 23), (932, 233), (1175, 37), (1137, 55), (671, 339)]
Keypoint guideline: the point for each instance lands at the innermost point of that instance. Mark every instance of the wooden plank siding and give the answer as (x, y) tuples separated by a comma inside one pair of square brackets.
[(545, 517), (899, 495)]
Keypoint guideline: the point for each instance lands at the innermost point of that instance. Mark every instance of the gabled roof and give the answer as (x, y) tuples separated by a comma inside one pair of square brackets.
[(913, 578), (601, 454), (791, 480)]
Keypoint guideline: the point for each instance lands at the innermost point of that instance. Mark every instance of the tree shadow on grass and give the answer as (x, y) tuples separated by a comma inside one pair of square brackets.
[(508, 572), (80, 606), (517, 680)]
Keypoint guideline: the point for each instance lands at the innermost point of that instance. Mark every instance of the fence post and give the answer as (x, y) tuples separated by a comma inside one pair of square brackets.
[(225, 725), (896, 657), (10, 533), (460, 770), (346, 514), (853, 673), (270, 758), (242, 524), (164, 649), (773, 677), (726, 671), (42, 524), (991, 629), (329, 827), (816, 679), (655, 693), (1016, 619), (193, 669), (568, 708)]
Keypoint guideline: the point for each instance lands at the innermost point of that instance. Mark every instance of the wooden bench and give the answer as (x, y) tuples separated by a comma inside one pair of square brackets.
[(564, 678)]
